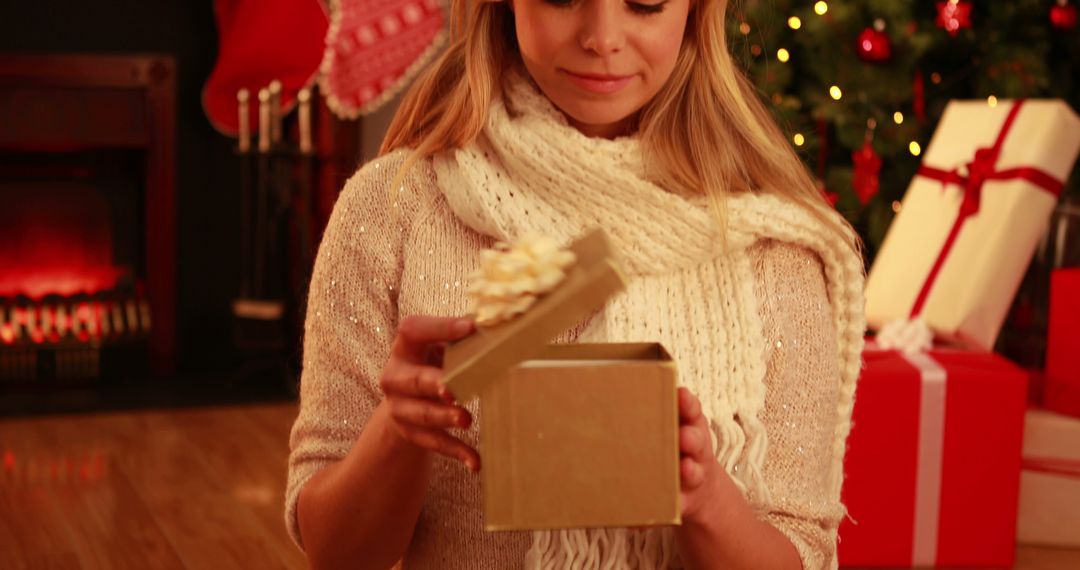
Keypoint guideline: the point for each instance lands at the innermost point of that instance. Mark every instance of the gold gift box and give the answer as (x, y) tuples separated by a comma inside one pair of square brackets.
[(571, 435)]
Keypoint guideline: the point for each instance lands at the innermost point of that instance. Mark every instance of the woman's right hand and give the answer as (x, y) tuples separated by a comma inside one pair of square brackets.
[(421, 408)]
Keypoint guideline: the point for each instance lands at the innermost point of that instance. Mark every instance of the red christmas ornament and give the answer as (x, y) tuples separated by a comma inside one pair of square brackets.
[(918, 92), (1063, 15), (954, 15), (832, 197), (874, 44), (867, 166)]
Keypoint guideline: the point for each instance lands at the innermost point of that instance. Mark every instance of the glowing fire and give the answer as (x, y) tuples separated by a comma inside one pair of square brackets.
[(93, 320), (40, 282), (56, 239)]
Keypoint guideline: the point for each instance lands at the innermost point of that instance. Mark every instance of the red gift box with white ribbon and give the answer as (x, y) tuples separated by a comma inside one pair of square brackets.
[(933, 462)]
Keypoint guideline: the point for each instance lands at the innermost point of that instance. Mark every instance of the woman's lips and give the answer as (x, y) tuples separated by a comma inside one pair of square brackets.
[(603, 84)]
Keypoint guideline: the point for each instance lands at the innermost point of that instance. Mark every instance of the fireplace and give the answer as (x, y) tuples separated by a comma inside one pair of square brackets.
[(86, 218)]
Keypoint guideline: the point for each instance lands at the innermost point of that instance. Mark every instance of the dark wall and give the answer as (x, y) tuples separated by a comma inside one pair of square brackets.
[(207, 173)]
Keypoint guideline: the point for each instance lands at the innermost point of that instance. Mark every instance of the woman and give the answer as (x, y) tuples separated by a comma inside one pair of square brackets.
[(554, 116)]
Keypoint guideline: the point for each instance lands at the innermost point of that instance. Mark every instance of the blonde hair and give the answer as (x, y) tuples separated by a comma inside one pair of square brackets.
[(705, 131)]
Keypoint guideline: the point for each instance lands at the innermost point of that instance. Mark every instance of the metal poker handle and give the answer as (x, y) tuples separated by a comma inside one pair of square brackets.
[(304, 119), (275, 111), (264, 120), (243, 97)]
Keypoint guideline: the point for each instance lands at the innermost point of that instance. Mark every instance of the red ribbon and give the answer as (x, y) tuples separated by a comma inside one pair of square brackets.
[(981, 169), (1052, 466)]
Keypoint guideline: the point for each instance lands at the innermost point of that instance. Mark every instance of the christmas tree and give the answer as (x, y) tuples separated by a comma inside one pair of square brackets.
[(859, 86)]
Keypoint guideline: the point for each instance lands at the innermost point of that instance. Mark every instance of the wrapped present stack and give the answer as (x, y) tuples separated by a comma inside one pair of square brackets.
[(937, 449), (1049, 512)]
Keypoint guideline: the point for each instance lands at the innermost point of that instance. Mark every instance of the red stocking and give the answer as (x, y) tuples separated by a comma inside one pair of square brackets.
[(260, 41), (375, 48)]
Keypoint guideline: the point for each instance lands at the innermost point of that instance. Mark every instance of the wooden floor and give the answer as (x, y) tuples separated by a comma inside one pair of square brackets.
[(193, 488)]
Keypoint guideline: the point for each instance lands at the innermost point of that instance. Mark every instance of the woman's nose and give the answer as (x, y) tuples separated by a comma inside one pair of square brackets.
[(601, 31)]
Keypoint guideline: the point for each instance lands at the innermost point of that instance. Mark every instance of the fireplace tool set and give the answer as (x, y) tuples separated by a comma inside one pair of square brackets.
[(276, 223)]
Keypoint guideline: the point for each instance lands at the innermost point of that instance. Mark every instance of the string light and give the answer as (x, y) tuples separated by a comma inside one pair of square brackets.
[(835, 92), (935, 77), (915, 149), (898, 118), (783, 55), (896, 206), (992, 101), (744, 28), (794, 22), (799, 139), (820, 8)]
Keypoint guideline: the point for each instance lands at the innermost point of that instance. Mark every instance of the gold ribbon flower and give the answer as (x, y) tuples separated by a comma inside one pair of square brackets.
[(513, 276)]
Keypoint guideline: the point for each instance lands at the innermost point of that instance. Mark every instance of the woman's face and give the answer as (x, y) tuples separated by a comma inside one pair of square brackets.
[(600, 61)]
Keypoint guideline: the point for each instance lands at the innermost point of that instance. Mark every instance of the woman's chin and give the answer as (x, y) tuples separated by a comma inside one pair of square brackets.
[(601, 124)]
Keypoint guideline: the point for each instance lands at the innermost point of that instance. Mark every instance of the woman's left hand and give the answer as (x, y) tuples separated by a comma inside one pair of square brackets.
[(700, 473)]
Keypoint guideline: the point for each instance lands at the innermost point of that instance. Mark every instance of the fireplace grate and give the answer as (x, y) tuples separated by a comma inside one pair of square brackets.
[(62, 338)]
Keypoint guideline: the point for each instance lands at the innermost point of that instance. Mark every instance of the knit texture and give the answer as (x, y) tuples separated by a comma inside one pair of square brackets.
[(516, 181), (767, 332)]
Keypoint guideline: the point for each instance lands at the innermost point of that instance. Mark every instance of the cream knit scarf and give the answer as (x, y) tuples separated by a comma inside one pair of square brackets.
[(531, 171)]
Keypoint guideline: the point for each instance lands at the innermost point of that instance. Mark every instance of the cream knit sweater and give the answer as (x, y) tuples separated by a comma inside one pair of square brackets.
[(388, 254), (690, 288)]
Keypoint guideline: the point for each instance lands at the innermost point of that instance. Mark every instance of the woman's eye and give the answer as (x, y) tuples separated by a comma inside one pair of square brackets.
[(647, 8), (559, 3)]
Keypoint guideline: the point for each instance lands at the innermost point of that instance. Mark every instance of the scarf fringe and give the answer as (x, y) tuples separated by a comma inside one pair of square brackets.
[(603, 549)]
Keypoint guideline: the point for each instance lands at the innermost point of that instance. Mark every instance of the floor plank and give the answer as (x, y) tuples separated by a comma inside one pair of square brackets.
[(111, 530), (66, 509)]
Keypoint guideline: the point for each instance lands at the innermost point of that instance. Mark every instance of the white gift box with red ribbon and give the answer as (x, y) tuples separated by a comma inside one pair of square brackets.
[(972, 218)]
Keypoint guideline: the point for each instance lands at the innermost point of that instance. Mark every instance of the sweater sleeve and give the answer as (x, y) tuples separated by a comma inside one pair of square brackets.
[(802, 400), (349, 327)]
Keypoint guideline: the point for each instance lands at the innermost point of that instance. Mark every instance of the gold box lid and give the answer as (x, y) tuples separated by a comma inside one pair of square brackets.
[(485, 356)]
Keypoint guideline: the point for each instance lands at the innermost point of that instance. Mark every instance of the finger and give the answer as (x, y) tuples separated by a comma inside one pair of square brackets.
[(691, 473), (434, 354), (440, 442), (402, 378), (428, 414), (693, 441), (689, 406), (417, 331)]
